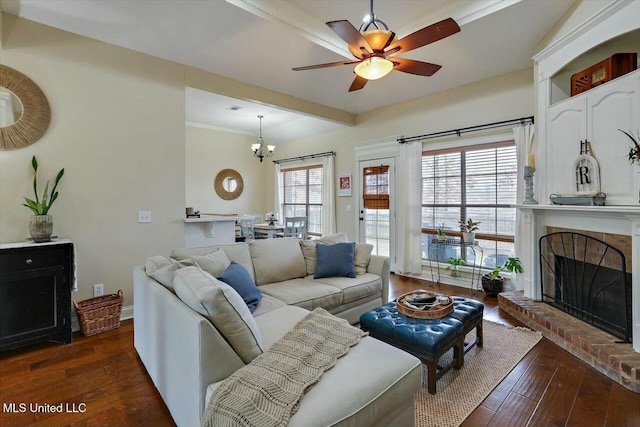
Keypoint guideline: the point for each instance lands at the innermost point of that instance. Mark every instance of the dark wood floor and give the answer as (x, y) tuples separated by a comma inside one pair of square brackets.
[(549, 387)]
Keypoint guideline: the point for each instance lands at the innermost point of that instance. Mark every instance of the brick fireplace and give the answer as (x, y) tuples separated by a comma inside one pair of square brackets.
[(619, 226)]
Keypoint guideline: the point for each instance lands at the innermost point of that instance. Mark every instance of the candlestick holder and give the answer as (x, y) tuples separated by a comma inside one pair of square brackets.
[(529, 198)]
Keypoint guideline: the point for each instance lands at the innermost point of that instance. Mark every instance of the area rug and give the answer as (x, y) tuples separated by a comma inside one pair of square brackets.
[(459, 392)]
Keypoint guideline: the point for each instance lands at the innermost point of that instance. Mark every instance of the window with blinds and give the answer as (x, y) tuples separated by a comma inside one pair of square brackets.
[(375, 191), (477, 182), (302, 195)]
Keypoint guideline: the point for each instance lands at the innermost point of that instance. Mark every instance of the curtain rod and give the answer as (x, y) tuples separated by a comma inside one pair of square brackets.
[(308, 156), (522, 121)]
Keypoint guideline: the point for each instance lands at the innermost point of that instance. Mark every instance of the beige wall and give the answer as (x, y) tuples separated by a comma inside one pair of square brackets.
[(506, 97), (207, 153), (118, 130)]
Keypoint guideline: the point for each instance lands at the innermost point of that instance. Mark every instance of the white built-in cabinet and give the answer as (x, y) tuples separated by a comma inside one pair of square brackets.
[(596, 115)]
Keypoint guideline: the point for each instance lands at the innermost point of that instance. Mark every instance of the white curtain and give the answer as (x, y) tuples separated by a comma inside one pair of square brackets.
[(523, 137), (328, 196), (408, 208), (277, 199)]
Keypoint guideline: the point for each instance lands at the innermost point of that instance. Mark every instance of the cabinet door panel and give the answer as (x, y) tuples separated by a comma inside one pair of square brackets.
[(567, 126), (607, 111), (30, 304)]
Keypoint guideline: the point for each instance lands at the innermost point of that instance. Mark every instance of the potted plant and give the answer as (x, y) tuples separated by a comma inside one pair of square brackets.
[(468, 228), (634, 151), (41, 223), (441, 235), (493, 282), (454, 267)]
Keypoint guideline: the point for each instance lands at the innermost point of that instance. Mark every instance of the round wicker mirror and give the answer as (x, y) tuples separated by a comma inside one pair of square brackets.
[(34, 119), (228, 184)]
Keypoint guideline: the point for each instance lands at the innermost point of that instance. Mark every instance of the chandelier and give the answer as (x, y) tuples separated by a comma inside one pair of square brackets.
[(260, 149)]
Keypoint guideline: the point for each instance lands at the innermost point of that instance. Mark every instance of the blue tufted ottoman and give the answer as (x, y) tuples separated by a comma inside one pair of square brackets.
[(429, 339)]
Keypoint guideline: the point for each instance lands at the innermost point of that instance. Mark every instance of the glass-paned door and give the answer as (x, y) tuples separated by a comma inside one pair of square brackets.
[(376, 205)]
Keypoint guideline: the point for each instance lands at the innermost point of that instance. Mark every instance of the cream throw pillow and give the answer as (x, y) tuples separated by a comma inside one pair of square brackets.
[(215, 263), (162, 268), (362, 257), (223, 306)]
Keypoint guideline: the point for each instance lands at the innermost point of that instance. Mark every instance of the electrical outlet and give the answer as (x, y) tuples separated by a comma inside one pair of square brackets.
[(144, 216), (98, 290)]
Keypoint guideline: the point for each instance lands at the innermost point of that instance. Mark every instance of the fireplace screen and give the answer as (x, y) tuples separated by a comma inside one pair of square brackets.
[(587, 278)]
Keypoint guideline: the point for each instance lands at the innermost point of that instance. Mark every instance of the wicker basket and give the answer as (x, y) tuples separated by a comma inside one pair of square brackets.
[(99, 314), (435, 313)]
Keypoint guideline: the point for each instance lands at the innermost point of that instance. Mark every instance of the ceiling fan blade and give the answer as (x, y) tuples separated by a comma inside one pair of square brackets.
[(350, 34), (358, 83), (330, 64), (412, 66), (425, 36)]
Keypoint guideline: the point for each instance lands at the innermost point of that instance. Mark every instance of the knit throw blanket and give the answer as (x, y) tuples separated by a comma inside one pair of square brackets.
[(267, 391)]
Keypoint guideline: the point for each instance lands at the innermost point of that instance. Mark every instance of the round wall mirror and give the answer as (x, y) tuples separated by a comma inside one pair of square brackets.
[(10, 108), (228, 184), (24, 110)]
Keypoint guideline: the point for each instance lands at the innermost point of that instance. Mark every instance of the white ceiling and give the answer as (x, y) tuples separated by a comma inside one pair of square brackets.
[(259, 41)]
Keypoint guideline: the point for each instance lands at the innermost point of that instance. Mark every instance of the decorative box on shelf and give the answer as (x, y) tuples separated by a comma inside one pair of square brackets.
[(614, 66)]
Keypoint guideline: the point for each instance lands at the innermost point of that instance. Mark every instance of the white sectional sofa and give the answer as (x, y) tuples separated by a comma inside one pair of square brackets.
[(187, 356)]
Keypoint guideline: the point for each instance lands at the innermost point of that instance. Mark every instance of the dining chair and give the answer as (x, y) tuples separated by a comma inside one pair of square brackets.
[(246, 229), (295, 226)]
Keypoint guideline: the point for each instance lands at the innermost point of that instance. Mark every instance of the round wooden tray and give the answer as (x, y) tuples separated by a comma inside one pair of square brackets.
[(434, 313)]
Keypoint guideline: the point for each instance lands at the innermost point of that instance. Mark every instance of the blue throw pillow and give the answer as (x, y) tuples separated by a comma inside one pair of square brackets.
[(239, 279), (335, 260)]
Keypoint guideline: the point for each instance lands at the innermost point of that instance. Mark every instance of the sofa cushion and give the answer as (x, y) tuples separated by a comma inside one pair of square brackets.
[(361, 257), (267, 304), (355, 396), (362, 286), (304, 293), (335, 260), (276, 260), (162, 268), (238, 278), (214, 263), (238, 252), (223, 306)]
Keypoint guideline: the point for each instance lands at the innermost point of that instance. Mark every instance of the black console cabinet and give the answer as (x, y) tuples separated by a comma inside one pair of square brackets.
[(35, 293)]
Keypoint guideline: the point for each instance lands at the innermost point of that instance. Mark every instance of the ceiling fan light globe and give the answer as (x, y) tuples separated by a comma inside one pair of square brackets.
[(374, 68)]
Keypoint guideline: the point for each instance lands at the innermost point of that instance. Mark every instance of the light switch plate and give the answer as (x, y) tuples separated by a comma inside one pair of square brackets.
[(144, 216)]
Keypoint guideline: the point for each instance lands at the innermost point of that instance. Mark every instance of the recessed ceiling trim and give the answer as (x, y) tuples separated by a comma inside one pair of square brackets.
[(305, 24), (203, 80), (462, 12)]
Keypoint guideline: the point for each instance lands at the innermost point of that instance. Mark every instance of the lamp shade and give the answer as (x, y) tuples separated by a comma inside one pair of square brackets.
[(374, 68)]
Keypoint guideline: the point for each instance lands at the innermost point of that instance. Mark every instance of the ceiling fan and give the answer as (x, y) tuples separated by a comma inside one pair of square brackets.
[(376, 49)]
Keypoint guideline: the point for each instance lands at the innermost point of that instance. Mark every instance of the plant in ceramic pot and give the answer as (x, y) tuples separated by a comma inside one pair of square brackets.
[(41, 223), (454, 267), (493, 282), (468, 228), (441, 235)]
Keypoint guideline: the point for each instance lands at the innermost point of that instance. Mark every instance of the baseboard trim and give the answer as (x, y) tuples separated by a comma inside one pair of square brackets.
[(126, 313)]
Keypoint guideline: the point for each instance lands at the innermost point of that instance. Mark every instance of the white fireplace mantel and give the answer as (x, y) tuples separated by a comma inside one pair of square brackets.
[(623, 220)]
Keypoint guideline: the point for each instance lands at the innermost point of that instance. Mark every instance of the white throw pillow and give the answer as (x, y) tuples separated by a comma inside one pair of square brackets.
[(214, 263), (223, 306), (162, 268), (362, 257)]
